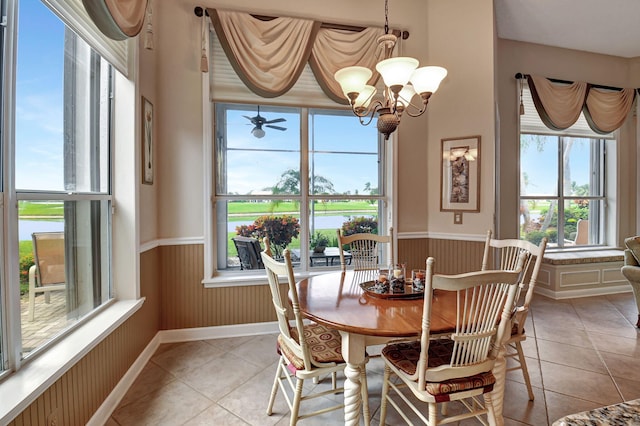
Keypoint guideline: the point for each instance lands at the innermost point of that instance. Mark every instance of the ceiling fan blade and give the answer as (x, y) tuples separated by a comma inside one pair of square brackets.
[(275, 127), (277, 120), (248, 118)]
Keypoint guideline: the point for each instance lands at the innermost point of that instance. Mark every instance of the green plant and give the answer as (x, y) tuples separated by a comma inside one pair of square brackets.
[(360, 225), (26, 262), (279, 229), (319, 241)]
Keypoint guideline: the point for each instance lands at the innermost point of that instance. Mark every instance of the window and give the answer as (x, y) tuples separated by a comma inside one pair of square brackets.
[(309, 170), (563, 182), (61, 182)]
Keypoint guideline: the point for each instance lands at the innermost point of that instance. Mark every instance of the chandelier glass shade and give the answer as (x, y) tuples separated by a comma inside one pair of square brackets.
[(403, 80)]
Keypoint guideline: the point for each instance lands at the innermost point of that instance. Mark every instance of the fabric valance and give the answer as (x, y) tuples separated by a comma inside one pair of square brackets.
[(269, 55), (117, 19), (559, 105)]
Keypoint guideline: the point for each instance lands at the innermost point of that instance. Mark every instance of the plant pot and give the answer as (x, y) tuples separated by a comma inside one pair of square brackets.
[(319, 249)]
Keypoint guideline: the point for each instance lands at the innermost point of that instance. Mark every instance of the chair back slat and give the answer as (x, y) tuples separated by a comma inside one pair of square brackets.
[(275, 271), (483, 309), (365, 250), (508, 251)]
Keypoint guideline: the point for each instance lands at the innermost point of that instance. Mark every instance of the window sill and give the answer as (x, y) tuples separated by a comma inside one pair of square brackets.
[(23, 387), (573, 257), (259, 277)]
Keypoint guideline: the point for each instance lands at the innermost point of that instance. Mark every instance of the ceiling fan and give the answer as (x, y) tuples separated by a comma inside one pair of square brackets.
[(258, 121)]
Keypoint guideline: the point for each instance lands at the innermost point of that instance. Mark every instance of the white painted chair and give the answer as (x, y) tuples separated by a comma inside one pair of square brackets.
[(304, 354), (457, 367), (48, 272), (505, 254), (364, 249)]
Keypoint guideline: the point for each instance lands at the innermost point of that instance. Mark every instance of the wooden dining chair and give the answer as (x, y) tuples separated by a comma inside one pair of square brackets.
[(457, 367), (364, 250), (307, 350), (504, 254)]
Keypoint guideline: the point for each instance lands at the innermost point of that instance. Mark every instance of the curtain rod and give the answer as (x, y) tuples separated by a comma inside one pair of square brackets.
[(520, 76), (199, 11)]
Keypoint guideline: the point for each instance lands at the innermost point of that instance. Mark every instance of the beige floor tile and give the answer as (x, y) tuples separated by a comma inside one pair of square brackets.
[(185, 357), (583, 384), (559, 405), (558, 333), (518, 407), (582, 358), (150, 379), (173, 404), (587, 349), (216, 415)]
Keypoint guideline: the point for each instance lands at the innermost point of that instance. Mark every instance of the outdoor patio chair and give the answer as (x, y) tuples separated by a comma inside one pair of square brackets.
[(457, 367), (506, 254), (248, 250), (48, 272), (307, 351)]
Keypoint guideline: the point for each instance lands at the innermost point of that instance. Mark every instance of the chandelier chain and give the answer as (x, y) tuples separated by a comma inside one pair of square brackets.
[(386, 16)]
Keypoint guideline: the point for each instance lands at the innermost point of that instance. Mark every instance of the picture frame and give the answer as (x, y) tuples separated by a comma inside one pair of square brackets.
[(460, 174), (147, 142)]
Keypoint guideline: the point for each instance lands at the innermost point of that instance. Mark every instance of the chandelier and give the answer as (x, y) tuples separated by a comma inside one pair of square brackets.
[(402, 79)]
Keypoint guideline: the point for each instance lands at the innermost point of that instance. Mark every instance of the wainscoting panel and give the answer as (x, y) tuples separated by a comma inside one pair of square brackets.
[(186, 303), (451, 256), (76, 396)]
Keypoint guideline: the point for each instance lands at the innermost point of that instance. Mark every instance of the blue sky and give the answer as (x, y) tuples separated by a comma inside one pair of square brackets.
[(39, 98), (541, 166), (342, 135)]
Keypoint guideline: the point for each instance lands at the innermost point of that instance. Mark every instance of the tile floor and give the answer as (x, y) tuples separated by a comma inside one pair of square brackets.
[(582, 354)]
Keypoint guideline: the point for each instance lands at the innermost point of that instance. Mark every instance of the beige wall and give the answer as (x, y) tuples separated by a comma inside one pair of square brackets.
[(514, 57), (456, 34)]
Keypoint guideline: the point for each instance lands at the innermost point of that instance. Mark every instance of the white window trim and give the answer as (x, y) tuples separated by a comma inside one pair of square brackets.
[(215, 278)]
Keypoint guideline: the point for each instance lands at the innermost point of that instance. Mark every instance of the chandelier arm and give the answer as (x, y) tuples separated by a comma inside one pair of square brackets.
[(370, 111), (425, 100)]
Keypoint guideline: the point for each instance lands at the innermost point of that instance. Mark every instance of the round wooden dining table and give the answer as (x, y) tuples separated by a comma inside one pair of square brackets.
[(337, 300)]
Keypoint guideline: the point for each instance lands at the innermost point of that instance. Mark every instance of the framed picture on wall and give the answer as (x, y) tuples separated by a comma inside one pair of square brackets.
[(147, 142), (460, 174)]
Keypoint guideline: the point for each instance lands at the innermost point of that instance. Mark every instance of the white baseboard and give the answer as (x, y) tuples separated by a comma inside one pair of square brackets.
[(101, 416), (587, 292), (109, 405)]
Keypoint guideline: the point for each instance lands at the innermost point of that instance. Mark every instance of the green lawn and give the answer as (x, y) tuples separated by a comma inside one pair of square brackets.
[(349, 207), (40, 209)]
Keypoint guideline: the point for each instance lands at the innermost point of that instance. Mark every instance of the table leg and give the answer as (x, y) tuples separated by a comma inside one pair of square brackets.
[(353, 351), (496, 396)]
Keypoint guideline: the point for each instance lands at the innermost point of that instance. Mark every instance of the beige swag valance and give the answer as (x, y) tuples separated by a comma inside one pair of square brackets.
[(559, 105), (117, 19), (269, 55)]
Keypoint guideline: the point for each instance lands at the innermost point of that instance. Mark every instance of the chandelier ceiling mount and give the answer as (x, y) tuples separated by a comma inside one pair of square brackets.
[(402, 79)]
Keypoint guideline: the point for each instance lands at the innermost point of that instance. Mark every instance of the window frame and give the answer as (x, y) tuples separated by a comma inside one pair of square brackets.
[(215, 277)]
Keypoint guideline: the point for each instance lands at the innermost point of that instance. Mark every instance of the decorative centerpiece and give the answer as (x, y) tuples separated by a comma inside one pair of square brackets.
[(417, 279), (381, 284), (397, 274)]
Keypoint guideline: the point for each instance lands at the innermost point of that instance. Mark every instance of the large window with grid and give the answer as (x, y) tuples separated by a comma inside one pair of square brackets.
[(57, 235), (296, 175), (563, 182)]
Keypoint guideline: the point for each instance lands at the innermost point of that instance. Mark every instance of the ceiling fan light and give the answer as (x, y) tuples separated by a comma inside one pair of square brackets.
[(353, 79), (428, 79), (396, 71), (258, 133)]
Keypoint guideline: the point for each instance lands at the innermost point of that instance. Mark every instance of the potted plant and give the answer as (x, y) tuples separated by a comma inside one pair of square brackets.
[(319, 242)]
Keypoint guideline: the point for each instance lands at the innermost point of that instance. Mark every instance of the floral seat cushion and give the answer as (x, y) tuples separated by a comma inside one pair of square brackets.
[(324, 343), (405, 355)]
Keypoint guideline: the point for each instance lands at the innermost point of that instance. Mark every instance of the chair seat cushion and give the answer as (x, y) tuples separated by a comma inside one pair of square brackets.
[(405, 355), (324, 343)]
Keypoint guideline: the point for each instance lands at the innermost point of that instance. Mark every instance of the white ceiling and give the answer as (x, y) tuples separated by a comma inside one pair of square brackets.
[(602, 26)]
